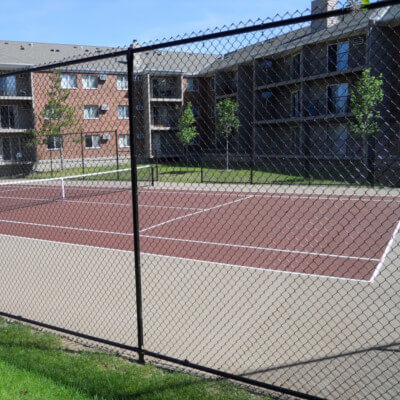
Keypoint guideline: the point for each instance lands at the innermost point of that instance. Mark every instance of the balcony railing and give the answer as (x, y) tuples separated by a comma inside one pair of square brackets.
[(165, 93), (15, 92), (164, 121), (18, 119)]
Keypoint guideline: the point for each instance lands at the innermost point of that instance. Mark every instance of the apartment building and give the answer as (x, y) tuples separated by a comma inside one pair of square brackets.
[(292, 92), (98, 92)]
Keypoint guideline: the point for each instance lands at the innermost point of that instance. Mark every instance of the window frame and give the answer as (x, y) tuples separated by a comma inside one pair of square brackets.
[(332, 107), (127, 136), (333, 65), (194, 87), (69, 76), (125, 107), (54, 138), (91, 106), (124, 79), (90, 76), (92, 147)]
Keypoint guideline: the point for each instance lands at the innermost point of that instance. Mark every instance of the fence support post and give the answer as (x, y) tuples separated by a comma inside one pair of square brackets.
[(51, 163), (135, 207), (82, 155), (116, 152), (371, 160)]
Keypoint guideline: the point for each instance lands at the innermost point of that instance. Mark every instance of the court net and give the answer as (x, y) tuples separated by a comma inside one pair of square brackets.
[(114, 185)]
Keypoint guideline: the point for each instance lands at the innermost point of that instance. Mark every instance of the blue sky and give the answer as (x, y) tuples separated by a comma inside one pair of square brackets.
[(118, 22)]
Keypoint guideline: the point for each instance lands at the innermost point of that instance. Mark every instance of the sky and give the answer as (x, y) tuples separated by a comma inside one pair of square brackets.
[(117, 23)]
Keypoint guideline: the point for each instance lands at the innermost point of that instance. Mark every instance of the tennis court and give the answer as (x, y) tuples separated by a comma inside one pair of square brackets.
[(337, 236)]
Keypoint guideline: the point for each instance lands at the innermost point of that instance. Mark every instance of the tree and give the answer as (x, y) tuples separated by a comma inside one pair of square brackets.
[(227, 122), (364, 101), (187, 130), (57, 117)]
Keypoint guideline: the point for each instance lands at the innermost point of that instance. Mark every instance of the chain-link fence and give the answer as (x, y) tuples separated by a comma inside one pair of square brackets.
[(227, 202)]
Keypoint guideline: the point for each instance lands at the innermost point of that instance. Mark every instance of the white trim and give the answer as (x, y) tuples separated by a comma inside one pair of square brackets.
[(194, 213), (307, 253), (386, 252), (193, 259)]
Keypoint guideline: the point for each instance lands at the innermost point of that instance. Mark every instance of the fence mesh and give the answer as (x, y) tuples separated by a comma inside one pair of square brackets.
[(265, 169)]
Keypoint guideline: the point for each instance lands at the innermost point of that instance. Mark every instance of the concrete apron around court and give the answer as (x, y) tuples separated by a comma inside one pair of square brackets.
[(292, 330)]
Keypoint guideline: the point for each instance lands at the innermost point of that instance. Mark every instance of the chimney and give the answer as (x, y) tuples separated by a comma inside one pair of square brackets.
[(322, 6)]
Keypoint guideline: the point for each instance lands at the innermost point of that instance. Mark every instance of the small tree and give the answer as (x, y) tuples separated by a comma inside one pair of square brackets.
[(187, 130), (57, 117), (227, 122), (364, 100)]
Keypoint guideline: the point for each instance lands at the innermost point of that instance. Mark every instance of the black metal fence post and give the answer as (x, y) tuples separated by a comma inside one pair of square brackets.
[(371, 160), (51, 163), (135, 206), (82, 155), (116, 153)]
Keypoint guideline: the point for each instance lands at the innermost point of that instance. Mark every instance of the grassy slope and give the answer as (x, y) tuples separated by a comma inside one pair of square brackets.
[(34, 365)]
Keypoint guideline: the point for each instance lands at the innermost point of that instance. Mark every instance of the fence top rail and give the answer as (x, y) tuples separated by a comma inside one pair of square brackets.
[(203, 37)]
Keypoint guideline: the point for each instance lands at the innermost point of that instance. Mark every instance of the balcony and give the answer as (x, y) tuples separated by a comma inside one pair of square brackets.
[(166, 88), (14, 119), (226, 84), (15, 87)]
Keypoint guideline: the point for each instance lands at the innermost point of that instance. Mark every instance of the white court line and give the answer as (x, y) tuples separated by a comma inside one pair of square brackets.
[(187, 240), (195, 213), (247, 267), (98, 202), (71, 228), (308, 253), (343, 197), (386, 252)]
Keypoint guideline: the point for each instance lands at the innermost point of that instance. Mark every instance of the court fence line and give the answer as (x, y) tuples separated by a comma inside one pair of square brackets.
[(310, 102)]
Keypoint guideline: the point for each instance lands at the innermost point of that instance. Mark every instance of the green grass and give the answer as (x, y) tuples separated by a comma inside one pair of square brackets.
[(190, 174), (35, 365)]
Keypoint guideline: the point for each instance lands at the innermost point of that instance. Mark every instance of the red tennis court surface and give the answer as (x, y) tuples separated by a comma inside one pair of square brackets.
[(329, 235)]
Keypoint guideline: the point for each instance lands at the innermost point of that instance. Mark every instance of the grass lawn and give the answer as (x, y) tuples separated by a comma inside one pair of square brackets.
[(180, 173), (36, 365)]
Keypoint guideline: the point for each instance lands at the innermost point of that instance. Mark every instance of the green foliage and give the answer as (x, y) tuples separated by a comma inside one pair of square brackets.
[(187, 131), (227, 118), (357, 5), (57, 117), (364, 99)]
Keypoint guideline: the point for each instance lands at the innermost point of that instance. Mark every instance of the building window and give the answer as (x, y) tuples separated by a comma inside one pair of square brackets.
[(92, 142), (338, 96), (338, 57), (54, 142), (123, 112), (68, 81), (295, 104), (122, 83), (295, 73), (90, 82), (8, 86), (8, 117), (13, 148), (192, 85), (338, 140), (124, 140), (91, 112)]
